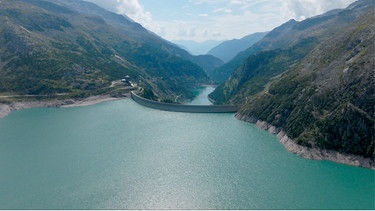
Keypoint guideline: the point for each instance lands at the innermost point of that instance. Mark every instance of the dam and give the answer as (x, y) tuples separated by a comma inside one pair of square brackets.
[(184, 108)]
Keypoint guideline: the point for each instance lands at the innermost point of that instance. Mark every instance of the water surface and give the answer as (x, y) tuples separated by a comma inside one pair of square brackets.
[(202, 95), (120, 155)]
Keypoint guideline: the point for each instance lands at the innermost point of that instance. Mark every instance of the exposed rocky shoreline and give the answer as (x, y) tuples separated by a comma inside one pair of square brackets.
[(6, 109), (310, 152), (290, 145)]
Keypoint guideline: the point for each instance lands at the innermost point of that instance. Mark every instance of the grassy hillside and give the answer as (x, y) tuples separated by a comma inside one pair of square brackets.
[(292, 32), (72, 46), (327, 100), (258, 70)]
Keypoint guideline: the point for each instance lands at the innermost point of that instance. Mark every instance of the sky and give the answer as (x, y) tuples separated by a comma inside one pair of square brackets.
[(202, 20)]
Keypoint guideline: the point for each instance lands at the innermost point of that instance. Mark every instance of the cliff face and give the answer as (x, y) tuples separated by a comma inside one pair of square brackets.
[(326, 101)]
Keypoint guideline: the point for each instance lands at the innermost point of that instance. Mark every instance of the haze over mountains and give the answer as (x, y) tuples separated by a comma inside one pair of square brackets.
[(197, 48), (229, 49)]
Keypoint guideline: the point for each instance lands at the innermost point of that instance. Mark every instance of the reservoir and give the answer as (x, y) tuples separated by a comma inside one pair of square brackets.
[(120, 155), (202, 95)]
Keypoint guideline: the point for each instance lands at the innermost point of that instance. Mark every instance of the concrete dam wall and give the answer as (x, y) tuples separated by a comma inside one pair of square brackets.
[(185, 108)]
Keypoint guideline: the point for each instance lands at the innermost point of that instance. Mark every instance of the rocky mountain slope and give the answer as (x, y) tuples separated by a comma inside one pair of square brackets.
[(281, 49), (229, 49), (323, 100), (293, 32), (72, 46)]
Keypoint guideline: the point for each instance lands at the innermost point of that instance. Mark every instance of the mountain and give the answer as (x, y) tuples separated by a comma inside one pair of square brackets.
[(50, 47), (208, 62), (229, 49), (197, 48), (287, 41), (223, 72), (323, 98), (290, 33), (258, 70)]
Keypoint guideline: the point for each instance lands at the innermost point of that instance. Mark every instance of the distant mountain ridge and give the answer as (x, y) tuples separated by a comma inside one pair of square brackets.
[(229, 49), (197, 48), (285, 38), (73, 46), (223, 72), (291, 32)]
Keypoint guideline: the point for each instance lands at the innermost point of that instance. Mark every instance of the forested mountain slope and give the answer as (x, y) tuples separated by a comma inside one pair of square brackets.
[(287, 35), (292, 42), (326, 100), (229, 49), (71, 46)]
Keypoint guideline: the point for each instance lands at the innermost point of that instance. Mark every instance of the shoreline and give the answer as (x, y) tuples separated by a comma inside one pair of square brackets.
[(310, 153), (288, 143), (6, 109)]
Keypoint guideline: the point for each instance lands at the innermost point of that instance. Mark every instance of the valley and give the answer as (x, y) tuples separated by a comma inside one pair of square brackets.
[(100, 111), (286, 77)]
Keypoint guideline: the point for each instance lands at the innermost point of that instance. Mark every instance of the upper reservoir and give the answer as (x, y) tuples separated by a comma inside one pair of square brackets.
[(120, 155), (202, 95)]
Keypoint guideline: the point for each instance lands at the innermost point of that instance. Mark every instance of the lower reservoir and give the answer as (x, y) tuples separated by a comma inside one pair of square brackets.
[(120, 155)]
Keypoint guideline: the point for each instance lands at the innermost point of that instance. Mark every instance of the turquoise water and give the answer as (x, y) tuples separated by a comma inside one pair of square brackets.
[(202, 95), (120, 155)]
